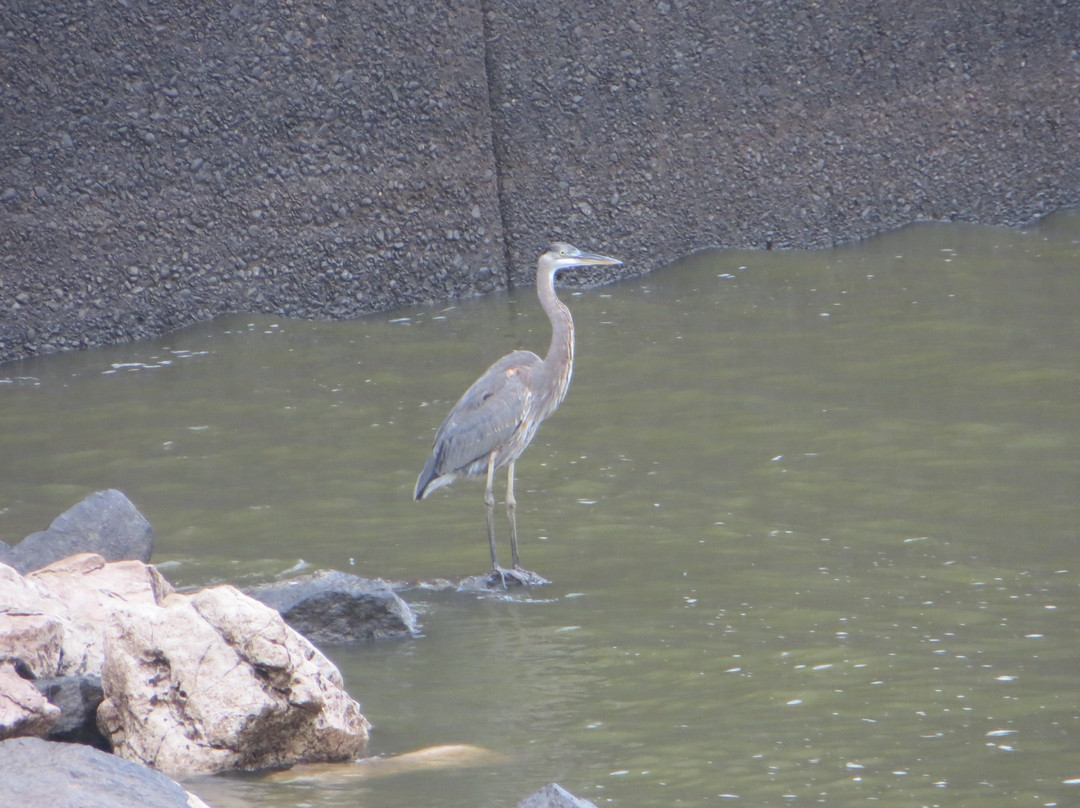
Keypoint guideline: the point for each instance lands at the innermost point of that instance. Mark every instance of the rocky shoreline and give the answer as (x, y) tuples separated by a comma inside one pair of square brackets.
[(164, 164), (187, 684), (99, 654)]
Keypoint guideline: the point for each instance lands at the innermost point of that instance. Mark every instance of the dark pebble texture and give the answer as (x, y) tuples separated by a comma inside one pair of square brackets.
[(161, 163)]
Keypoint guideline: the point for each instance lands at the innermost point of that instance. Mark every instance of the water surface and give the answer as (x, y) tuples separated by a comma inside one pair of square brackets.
[(810, 517)]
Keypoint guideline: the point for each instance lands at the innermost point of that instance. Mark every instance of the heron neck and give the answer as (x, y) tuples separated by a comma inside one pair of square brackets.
[(560, 355)]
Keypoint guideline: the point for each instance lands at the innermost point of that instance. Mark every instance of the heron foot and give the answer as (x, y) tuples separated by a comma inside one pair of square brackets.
[(518, 576)]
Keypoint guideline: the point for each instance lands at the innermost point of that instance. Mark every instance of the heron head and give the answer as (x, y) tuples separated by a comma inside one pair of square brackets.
[(564, 256)]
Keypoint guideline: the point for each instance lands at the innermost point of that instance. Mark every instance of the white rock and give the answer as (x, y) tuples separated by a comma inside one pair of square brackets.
[(85, 591), (31, 625), (217, 681), (193, 684), (23, 710)]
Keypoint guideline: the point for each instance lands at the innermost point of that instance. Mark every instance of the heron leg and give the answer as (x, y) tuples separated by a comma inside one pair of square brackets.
[(511, 512), (489, 510)]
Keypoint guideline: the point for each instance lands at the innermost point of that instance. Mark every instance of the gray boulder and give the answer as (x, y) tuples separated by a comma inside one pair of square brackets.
[(105, 523), (78, 698), (35, 773), (554, 796), (335, 607)]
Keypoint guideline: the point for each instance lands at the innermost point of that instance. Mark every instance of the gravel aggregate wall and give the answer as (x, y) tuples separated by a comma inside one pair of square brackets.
[(161, 163)]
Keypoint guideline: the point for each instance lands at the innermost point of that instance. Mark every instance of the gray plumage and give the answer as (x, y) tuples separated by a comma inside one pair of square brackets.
[(497, 418)]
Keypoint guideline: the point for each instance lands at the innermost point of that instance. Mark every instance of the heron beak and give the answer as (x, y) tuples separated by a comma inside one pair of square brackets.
[(592, 259)]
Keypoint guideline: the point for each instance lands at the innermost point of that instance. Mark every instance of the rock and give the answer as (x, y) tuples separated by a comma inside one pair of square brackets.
[(59, 775), (554, 796), (83, 592), (23, 710), (334, 607), (105, 523), (501, 581), (191, 684), (431, 758), (31, 626), (77, 698), (217, 681), (51, 626)]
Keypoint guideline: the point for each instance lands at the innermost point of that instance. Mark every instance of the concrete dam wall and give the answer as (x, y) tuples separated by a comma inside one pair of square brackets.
[(161, 163)]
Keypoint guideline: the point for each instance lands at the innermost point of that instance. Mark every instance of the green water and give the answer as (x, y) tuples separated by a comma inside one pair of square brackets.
[(811, 521)]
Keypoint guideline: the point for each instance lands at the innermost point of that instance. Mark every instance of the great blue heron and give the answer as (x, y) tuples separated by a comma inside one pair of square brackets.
[(497, 418)]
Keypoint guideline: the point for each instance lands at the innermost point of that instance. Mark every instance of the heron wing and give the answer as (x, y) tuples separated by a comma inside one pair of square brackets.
[(484, 418)]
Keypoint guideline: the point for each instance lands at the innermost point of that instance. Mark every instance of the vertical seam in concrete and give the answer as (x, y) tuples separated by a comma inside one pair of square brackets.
[(496, 148)]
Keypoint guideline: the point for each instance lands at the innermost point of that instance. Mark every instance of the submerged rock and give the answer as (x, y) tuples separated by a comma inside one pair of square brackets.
[(335, 607), (554, 796), (431, 758), (501, 580)]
